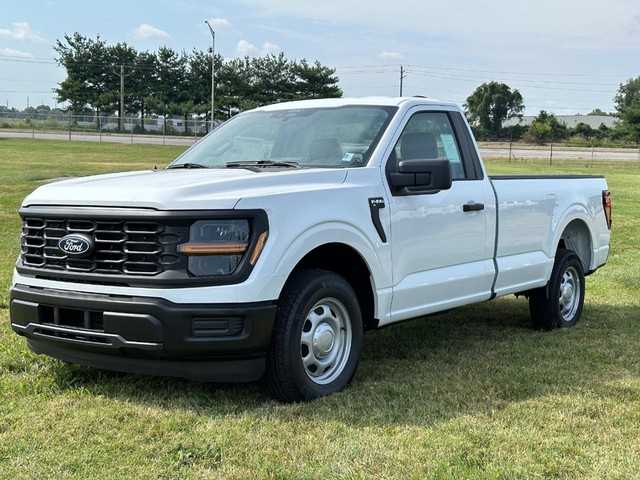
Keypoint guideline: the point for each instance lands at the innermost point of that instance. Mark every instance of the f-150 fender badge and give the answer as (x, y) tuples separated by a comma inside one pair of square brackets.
[(76, 245), (375, 204)]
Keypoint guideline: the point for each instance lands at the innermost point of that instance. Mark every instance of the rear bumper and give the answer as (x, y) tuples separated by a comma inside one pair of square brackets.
[(205, 342)]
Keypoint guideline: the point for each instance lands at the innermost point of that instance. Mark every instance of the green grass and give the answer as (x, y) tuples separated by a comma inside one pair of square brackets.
[(473, 393)]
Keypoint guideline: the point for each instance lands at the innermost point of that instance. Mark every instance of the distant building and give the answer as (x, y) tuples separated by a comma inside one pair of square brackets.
[(594, 121)]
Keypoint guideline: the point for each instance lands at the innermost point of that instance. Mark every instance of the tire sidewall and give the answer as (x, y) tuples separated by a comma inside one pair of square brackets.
[(325, 285), (566, 260)]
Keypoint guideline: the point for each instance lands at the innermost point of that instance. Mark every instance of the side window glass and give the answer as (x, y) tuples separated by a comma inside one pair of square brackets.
[(430, 135)]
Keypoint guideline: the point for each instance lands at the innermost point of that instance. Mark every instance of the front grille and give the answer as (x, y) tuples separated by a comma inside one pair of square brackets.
[(120, 247)]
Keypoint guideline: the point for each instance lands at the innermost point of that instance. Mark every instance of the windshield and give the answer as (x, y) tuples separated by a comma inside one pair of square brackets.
[(310, 137)]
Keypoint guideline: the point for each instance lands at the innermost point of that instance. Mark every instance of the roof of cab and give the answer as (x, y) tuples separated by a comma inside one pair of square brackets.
[(340, 102)]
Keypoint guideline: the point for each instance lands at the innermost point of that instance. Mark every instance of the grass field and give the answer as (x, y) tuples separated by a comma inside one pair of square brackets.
[(473, 393)]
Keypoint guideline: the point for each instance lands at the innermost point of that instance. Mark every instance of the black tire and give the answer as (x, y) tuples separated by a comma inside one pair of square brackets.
[(559, 303), (317, 339)]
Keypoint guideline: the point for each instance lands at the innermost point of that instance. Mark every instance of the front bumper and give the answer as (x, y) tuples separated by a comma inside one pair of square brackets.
[(206, 342)]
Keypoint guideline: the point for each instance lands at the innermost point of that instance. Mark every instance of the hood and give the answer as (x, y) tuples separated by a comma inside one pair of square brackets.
[(180, 189)]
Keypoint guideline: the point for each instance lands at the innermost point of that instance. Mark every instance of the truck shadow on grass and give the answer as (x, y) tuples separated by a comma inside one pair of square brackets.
[(476, 359)]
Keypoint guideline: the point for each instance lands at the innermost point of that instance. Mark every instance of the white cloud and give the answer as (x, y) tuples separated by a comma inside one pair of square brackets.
[(219, 24), (10, 52), (269, 47), (21, 32), (246, 49), (391, 56), (144, 31)]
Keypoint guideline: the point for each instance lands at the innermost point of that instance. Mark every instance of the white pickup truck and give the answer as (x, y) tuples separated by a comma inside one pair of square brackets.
[(270, 246)]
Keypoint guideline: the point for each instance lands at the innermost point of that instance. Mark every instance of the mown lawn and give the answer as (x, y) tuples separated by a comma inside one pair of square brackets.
[(473, 393)]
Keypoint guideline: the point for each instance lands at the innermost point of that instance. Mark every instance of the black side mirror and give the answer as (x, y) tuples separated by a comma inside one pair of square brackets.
[(421, 176)]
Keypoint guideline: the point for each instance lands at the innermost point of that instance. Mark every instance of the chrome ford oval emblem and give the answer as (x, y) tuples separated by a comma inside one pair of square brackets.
[(76, 245)]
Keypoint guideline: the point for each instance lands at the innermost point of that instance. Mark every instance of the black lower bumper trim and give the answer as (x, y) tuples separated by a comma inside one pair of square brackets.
[(212, 342), (244, 370)]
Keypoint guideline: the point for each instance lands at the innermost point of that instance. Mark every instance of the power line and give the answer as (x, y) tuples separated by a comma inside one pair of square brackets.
[(26, 81), (503, 72), (418, 72), (8, 58), (528, 73), (26, 91), (475, 80)]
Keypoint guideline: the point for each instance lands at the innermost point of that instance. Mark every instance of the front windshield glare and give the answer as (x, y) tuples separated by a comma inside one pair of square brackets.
[(312, 137)]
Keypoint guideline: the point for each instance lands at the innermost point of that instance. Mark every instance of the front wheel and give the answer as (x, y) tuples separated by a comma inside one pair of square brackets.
[(317, 338), (559, 303)]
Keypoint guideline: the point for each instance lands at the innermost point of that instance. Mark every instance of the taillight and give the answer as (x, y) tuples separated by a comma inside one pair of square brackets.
[(606, 205)]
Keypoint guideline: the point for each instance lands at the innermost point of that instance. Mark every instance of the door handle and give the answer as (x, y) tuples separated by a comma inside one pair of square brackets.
[(472, 207)]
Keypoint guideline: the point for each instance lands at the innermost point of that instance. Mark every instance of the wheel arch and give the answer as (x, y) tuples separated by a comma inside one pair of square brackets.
[(578, 237), (345, 261)]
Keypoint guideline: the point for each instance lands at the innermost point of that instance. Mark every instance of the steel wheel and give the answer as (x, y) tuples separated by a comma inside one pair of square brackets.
[(325, 342), (559, 303), (317, 337), (570, 298)]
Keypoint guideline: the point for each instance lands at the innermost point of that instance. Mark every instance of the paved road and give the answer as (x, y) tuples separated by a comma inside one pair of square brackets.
[(562, 152), (492, 150)]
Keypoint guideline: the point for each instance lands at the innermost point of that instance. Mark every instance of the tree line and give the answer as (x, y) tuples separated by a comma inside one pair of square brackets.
[(493, 103), (110, 79), (119, 79)]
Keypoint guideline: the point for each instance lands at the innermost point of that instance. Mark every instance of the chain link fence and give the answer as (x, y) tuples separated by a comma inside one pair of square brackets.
[(180, 131), (169, 130), (589, 152)]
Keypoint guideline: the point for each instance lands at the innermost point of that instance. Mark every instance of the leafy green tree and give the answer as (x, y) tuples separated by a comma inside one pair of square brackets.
[(171, 88), (142, 84), (121, 59), (167, 82), (199, 80), (630, 117), (85, 61), (234, 83), (598, 112), (538, 132), (603, 131), (272, 79), (315, 81), (583, 130), (627, 93), (627, 101), (546, 127), (490, 105)]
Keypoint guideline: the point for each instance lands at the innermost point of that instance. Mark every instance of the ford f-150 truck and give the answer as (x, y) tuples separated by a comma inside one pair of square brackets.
[(270, 246)]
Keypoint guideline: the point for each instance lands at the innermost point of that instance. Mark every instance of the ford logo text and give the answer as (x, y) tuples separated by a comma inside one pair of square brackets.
[(76, 245)]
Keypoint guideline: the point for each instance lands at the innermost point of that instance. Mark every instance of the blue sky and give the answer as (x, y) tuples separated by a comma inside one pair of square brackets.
[(565, 56)]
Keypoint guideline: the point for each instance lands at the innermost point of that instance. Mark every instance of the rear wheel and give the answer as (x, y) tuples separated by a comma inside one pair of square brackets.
[(559, 303), (317, 338)]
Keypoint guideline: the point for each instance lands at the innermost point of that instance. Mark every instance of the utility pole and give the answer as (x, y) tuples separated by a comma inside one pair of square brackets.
[(213, 71), (121, 96), (403, 74)]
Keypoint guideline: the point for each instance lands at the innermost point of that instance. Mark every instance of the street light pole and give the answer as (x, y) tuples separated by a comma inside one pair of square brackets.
[(213, 70)]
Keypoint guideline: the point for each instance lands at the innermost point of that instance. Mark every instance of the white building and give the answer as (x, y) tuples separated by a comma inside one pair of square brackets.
[(594, 121)]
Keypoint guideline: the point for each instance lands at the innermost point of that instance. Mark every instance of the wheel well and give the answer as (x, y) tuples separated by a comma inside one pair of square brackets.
[(576, 237), (346, 262)]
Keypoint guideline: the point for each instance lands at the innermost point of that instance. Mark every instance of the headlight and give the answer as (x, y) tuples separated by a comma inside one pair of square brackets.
[(216, 247)]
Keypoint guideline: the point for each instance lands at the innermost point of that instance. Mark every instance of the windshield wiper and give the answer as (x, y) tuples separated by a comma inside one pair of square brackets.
[(261, 163), (188, 165)]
